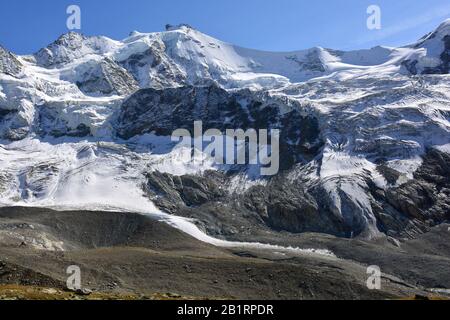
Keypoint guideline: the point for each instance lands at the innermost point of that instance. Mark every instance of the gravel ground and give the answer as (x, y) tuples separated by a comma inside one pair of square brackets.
[(129, 255)]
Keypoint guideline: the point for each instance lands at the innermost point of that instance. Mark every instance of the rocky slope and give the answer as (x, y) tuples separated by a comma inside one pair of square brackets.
[(86, 122)]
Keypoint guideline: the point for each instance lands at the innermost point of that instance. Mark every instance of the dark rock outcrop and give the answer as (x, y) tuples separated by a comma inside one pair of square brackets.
[(420, 203), (49, 123), (280, 205), (71, 46), (402, 212), (107, 78), (153, 68), (164, 111), (439, 37), (9, 64)]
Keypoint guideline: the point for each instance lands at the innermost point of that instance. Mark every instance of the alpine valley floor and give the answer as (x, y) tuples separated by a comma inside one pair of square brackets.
[(131, 256)]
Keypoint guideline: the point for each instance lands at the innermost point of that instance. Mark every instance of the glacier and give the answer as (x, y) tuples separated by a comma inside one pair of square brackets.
[(357, 124)]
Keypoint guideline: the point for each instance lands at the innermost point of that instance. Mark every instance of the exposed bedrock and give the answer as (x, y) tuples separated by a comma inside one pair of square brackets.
[(153, 68), (9, 64), (401, 212), (436, 59), (418, 204), (106, 78), (280, 205), (164, 111)]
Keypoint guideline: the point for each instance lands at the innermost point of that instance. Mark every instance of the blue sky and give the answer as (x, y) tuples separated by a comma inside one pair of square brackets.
[(276, 25)]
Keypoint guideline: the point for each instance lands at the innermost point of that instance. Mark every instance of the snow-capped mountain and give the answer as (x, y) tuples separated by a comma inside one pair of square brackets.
[(86, 122)]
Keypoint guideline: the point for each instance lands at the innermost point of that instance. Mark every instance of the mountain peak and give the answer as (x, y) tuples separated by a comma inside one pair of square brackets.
[(73, 45), (134, 33), (70, 38), (170, 27), (445, 23)]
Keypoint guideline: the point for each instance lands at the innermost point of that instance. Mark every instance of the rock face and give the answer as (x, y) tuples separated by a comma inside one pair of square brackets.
[(294, 206), (152, 68), (9, 64), (164, 111), (172, 193), (105, 78), (419, 204), (280, 205), (75, 118), (435, 57), (16, 120), (51, 124), (72, 46)]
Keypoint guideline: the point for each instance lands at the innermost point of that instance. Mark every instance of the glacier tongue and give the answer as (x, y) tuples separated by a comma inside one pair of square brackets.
[(83, 176)]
